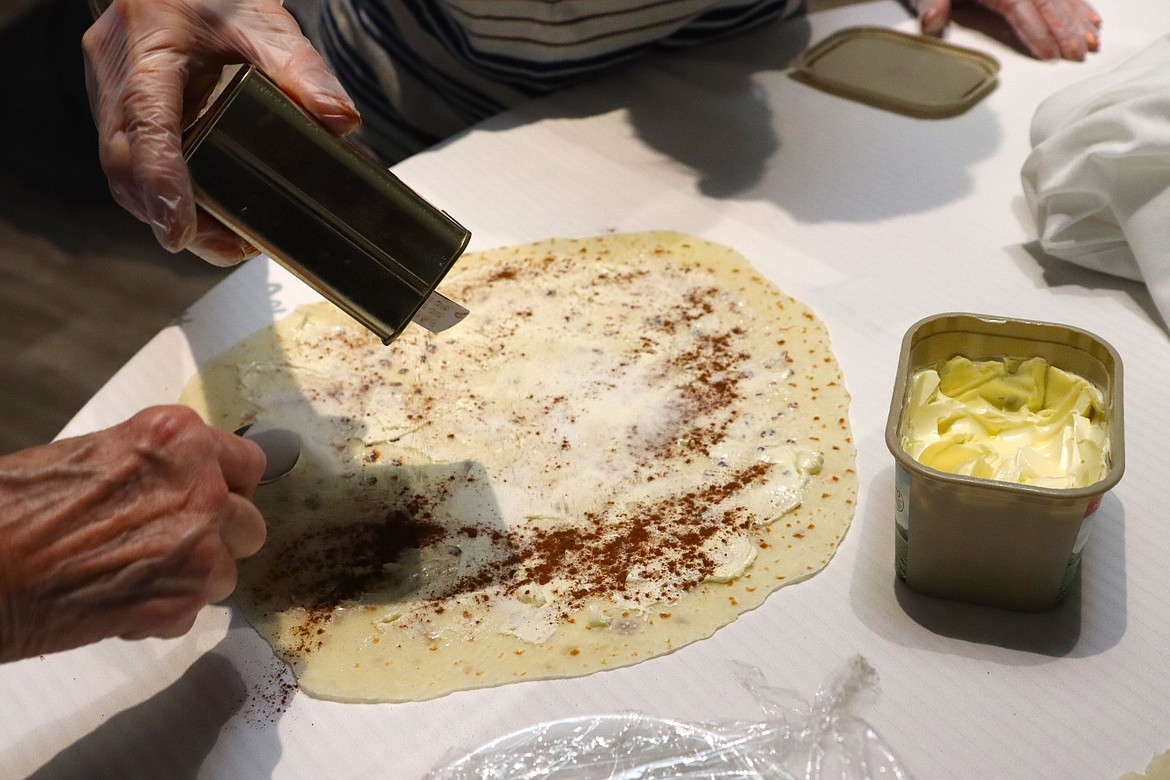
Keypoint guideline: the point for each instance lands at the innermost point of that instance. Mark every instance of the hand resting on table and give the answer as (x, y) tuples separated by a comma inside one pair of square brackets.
[(1050, 29)]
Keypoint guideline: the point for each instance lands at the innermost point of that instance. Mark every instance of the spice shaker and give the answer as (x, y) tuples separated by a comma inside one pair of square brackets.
[(319, 206)]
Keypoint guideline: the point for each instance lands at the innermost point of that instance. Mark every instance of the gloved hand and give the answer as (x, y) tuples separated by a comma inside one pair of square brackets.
[(150, 66), (125, 532), (1050, 29)]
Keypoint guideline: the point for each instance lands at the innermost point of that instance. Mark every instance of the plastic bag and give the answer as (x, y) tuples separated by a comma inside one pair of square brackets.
[(794, 740)]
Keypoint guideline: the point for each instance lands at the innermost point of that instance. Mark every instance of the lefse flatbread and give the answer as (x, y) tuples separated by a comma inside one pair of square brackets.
[(630, 441)]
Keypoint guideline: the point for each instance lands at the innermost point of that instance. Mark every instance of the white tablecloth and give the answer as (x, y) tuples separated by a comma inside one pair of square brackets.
[(873, 219)]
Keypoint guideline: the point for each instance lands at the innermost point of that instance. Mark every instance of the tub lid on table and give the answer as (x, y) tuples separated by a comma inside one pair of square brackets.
[(914, 75)]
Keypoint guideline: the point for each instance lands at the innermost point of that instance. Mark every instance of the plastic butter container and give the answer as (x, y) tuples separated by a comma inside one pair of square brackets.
[(983, 540)]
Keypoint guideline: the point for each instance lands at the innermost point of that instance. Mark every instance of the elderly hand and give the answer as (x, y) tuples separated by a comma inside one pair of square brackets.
[(1050, 29), (126, 532), (150, 66)]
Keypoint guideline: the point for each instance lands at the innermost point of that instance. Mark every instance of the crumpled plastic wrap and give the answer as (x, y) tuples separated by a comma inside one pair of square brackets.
[(825, 739)]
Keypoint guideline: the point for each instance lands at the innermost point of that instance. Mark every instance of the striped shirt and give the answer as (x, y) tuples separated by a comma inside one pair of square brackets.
[(422, 70)]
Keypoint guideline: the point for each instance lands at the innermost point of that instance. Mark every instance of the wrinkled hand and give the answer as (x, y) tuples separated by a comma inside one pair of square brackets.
[(126, 532), (1050, 29), (150, 66)]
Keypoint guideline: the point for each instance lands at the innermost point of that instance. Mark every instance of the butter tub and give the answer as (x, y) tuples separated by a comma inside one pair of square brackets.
[(982, 540)]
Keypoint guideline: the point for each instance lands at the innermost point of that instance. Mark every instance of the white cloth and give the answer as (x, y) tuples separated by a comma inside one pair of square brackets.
[(1098, 178)]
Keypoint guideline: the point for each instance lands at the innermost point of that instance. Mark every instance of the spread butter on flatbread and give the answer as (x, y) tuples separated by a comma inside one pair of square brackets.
[(630, 441)]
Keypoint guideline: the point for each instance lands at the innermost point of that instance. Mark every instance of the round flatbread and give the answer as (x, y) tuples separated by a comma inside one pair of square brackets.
[(631, 440)]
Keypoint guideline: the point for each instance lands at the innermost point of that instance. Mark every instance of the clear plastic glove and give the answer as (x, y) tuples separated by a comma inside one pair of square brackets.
[(1050, 29), (127, 532), (150, 66)]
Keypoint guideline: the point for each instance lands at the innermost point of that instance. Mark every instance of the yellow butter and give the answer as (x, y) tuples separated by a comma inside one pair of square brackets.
[(1021, 421)]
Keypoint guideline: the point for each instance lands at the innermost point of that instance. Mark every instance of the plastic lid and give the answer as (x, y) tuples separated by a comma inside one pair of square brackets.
[(908, 74)]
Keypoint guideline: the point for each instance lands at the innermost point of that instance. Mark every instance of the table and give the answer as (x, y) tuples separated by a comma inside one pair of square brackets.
[(874, 220)]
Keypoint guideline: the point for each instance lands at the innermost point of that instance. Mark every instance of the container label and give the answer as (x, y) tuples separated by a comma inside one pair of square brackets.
[(1086, 527), (901, 519), (1074, 560), (902, 497)]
